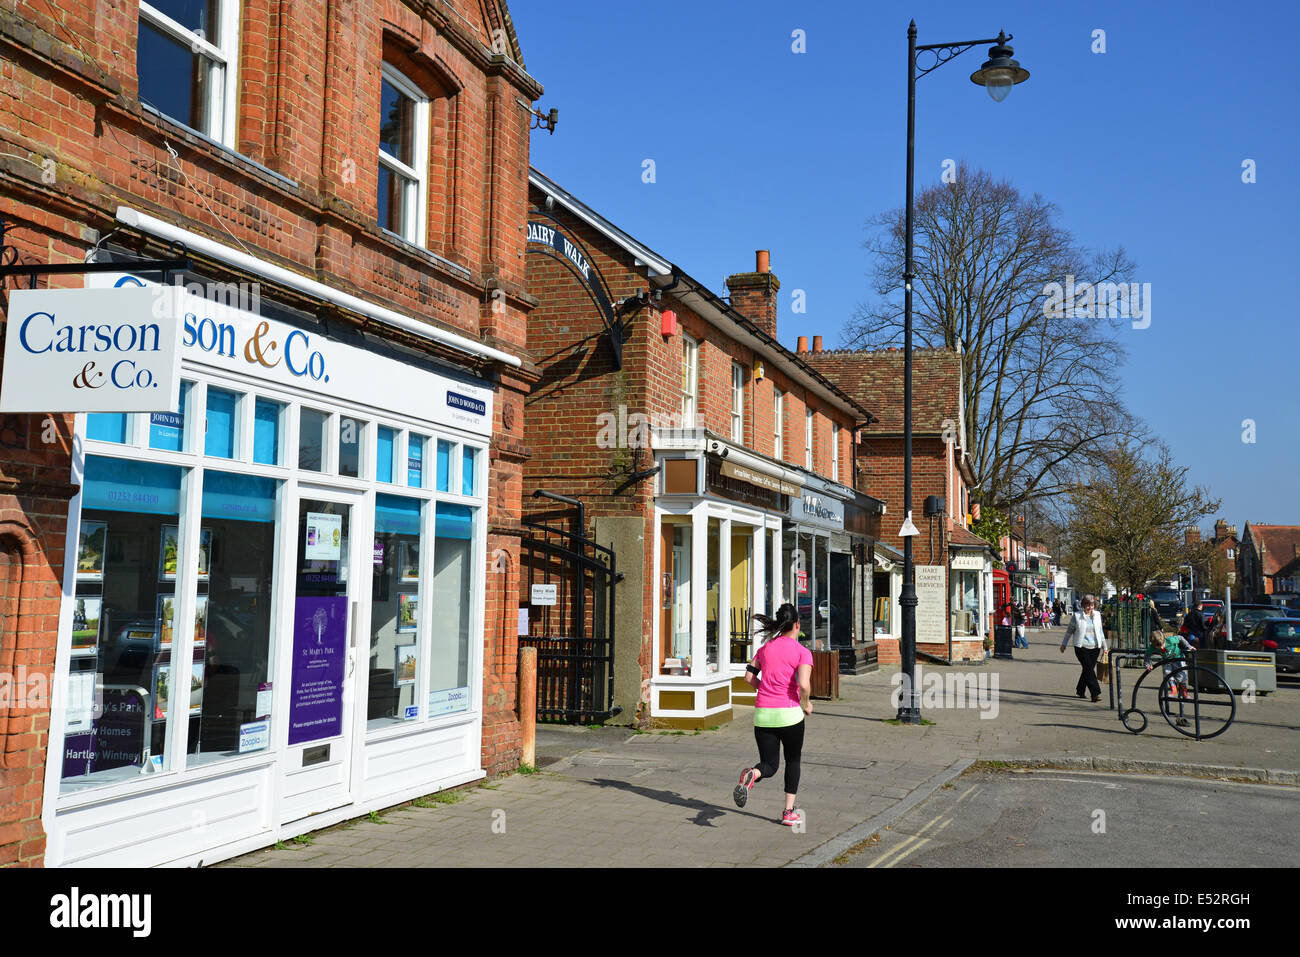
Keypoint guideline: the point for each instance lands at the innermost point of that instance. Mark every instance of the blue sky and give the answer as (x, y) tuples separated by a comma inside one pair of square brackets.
[(758, 147)]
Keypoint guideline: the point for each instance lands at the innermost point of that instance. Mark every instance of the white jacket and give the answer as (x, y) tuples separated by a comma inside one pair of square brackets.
[(1076, 629)]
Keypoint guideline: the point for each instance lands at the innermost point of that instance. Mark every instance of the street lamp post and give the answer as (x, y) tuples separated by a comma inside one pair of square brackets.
[(998, 74)]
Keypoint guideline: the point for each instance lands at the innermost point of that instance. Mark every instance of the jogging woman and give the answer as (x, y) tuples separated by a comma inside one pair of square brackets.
[(782, 673)]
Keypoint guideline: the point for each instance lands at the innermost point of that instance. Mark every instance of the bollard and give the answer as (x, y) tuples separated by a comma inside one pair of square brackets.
[(528, 704)]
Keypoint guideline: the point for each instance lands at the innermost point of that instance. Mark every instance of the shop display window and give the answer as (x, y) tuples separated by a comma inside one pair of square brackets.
[(384, 446), (230, 681), (396, 592), (311, 439), (267, 416), (115, 726), (107, 426), (167, 429), (713, 580), (415, 460), (469, 459), (452, 603), (222, 419), (350, 434), (444, 466)]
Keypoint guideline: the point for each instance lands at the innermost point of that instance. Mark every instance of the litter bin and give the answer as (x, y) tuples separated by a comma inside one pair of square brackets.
[(1238, 667), (826, 674), (1003, 641)]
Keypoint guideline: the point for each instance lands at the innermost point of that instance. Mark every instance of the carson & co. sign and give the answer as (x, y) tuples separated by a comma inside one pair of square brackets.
[(213, 333), (92, 350)]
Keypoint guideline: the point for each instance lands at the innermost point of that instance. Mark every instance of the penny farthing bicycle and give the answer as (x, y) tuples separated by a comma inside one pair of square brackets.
[(1194, 699)]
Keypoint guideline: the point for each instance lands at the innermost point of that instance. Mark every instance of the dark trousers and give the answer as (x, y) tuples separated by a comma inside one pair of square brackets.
[(770, 742), (1088, 671)]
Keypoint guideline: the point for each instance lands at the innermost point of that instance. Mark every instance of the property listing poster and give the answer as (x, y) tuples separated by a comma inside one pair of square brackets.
[(320, 636)]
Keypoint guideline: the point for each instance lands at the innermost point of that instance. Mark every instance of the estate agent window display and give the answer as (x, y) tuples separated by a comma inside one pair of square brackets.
[(148, 571)]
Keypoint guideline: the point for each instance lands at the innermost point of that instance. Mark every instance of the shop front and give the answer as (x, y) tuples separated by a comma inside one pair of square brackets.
[(273, 598), (717, 554), (970, 601)]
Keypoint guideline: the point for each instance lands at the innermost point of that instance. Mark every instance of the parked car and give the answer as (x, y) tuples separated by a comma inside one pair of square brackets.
[(1211, 607), (1169, 603), (1244, 618), (1280, 636)]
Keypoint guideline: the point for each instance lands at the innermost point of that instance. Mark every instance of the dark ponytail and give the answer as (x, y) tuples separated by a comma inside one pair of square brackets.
[(786, 618)]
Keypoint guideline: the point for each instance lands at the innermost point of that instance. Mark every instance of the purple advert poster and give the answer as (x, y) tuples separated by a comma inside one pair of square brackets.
[(320, 637)]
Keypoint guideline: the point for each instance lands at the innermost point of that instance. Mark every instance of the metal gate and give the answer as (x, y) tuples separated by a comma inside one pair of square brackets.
[(574, 637)]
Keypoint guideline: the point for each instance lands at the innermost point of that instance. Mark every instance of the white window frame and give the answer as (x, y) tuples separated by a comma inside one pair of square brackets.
[(835, 451), (691, 387), (808, 439), (415, 196), (223, 65), (778, 413), (737, 403)]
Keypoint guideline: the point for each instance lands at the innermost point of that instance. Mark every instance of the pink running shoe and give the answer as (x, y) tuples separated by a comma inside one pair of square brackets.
[(741, 794), (791, 818)]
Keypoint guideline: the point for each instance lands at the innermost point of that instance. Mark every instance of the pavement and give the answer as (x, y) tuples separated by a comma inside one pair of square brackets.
[(611, 797)]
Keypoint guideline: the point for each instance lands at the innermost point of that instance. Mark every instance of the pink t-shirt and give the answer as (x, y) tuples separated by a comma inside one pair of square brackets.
[(778, 663)]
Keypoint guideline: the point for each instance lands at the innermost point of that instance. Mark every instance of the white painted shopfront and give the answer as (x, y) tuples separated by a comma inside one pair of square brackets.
[(273, 598)]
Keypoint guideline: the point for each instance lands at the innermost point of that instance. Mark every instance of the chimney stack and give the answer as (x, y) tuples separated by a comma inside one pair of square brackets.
[(753, 294), (803, 344), (817, 343), (1192, 536)]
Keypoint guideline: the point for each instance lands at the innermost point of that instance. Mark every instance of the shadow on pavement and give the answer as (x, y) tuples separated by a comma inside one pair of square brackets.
[(707, 812)]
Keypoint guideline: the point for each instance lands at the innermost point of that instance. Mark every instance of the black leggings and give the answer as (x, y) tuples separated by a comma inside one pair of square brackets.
[(770, 741), (1087, 671)]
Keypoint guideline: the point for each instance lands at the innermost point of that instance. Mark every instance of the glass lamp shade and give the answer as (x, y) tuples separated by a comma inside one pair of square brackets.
[(998, 83)]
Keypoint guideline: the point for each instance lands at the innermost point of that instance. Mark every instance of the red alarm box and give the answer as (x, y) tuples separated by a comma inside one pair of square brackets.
[(669, 322)]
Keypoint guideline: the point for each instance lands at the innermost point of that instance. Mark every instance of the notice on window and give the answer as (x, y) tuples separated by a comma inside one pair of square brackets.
[(320, 638), (324, 537), (544, 594), (254, 736)]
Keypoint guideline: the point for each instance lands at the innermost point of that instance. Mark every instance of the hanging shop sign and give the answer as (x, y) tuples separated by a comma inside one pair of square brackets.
[(92, 350), (219, 333), (821, 511)]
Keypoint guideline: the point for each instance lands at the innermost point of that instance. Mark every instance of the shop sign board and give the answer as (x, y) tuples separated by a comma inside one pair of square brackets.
[(931, 607), (742, 473), (822, 511), (93, 350), (968, 561), (801, 580), (219, 334)]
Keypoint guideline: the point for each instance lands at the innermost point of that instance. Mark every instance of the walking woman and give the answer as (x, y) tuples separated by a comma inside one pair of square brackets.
[(782, 673), (1089, 637)]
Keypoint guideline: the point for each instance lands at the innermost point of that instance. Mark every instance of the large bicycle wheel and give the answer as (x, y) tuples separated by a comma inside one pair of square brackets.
[(1202, 715)]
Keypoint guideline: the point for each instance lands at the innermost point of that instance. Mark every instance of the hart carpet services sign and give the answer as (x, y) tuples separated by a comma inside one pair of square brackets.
[(92, 350)]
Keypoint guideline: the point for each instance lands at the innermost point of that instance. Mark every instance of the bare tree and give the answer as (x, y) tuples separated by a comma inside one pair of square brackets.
[(1130, 510), (1040, 383)]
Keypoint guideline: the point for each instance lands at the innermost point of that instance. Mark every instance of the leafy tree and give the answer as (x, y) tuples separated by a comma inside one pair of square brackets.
[(1134, 508)]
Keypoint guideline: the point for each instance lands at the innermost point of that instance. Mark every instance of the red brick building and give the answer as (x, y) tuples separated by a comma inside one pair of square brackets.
[(711, 461), (954, 588), (1268, 567), (361, 168)]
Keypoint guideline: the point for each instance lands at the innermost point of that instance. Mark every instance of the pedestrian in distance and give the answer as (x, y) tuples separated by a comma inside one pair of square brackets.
[(1087, 633), (1194, 625), (782, 673), (1018, 622)]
